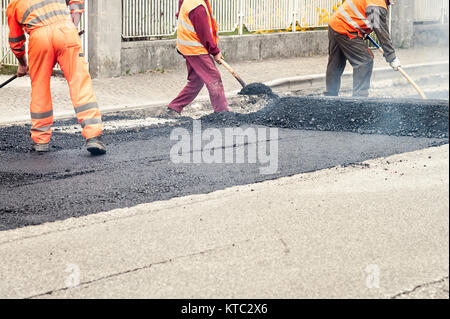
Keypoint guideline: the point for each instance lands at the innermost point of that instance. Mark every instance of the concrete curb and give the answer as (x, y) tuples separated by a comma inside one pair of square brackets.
[(290, 84), (318, 80)]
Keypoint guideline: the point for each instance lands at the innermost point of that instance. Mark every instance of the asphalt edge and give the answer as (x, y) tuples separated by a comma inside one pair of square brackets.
[(291, 83)]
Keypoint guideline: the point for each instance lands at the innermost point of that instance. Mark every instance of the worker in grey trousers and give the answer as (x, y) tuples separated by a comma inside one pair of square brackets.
[(347, 28)]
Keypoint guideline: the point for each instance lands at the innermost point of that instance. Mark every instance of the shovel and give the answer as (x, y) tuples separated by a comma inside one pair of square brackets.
[(407, 77), (230, 69), (251, 89)]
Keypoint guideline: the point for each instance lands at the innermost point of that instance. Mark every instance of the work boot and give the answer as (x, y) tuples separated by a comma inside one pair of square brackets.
[(95, 146), (169, 113), (41, 147)]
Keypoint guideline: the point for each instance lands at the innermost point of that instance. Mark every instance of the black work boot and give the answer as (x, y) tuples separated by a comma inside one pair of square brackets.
[(41, 147), (169, 113), (95, 146)]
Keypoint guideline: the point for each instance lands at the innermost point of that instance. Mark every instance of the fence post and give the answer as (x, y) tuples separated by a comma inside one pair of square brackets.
[(443, 12), (294, 15), (105, 37), (241, 17)]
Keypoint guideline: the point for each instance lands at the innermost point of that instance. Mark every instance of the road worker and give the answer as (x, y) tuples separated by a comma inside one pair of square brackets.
[(197, 41), (347, 28), (53, 38)]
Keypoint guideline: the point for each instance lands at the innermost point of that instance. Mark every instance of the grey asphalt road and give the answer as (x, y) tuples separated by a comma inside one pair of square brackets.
[(313, 134)]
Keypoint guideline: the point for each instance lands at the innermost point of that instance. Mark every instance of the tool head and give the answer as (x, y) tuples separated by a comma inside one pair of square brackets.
[(257, 89)]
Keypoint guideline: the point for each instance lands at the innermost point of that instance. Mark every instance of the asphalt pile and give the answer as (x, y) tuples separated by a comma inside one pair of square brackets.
[(258, 89), (415, 118)]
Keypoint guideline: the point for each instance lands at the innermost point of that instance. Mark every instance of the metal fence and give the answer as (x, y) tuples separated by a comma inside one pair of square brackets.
[(4, 35), (10, 59), (431, 11), (156, 18)]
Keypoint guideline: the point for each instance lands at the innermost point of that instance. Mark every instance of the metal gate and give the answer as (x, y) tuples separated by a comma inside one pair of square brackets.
[(431, 11), (144, 19), (5, 52)]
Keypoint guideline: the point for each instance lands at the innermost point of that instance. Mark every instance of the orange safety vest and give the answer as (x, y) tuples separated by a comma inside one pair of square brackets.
[(33, 14), (351, 17), (188, 42)]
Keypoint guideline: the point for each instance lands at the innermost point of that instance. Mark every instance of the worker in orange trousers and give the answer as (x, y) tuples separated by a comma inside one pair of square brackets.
[(53, 38)]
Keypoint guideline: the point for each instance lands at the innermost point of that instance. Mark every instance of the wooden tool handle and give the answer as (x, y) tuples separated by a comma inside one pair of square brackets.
[(412, 83), (230, 69), (406, 76)]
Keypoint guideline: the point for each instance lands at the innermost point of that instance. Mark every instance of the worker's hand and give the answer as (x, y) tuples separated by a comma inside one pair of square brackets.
[(22, 69), (218, 58), (396, 64), (76, 17)]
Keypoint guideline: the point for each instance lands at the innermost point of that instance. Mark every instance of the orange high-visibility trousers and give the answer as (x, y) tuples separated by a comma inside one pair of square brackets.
[(60, 42)]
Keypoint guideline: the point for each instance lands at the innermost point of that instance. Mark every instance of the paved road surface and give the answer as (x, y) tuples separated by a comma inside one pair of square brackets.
[(357, 225), (377, 230)]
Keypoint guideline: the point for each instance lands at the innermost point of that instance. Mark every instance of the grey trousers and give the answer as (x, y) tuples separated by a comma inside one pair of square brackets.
[(341, 49)]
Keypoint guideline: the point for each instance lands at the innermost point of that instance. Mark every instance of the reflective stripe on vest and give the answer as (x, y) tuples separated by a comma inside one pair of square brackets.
[(351, 17), (188, 42), (359, 14), (352, 22), (37, 13)]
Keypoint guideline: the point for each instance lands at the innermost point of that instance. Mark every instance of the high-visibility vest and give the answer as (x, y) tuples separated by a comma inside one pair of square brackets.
[(351, 17), (188, 42), (33, 14)]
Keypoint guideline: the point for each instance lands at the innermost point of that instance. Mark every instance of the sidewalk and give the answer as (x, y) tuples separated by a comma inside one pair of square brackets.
[(158, 88)]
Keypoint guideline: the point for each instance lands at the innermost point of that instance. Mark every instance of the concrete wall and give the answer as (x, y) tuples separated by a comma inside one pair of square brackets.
[(431, 35), (403, 23), (151, 55)]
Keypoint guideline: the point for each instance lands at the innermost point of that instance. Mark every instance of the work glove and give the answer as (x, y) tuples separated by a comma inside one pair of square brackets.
[(396, 64)]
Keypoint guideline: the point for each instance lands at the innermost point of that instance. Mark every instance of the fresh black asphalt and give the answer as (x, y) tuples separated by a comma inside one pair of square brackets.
[(314, 133)]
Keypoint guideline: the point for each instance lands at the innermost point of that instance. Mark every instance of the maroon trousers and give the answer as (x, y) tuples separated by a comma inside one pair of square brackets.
[(202, 70)]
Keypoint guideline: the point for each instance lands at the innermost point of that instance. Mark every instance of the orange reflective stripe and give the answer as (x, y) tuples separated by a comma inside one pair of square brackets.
[(42, 115), (42, 129), (17, 39), (92, 121), (86, 107)]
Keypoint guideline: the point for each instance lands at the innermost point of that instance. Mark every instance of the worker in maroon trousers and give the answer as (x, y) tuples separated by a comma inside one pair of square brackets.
[(197, 41)]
